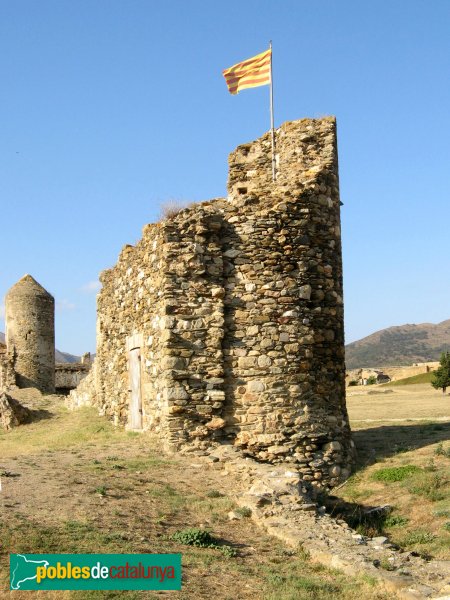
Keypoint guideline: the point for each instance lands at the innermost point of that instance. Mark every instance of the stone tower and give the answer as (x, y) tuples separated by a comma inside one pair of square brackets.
[(30, 334)]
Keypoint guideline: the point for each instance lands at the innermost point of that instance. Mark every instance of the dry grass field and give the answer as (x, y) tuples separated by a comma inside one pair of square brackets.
[(387, 403), (73, 483)]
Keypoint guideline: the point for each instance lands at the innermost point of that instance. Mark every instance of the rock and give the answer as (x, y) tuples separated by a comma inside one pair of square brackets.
[(233, 515), (12, 413), (215, 424), (332, 447), (379, 540)]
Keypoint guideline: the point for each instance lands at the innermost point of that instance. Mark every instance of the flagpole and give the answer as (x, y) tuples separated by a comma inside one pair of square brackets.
[(274, 172)]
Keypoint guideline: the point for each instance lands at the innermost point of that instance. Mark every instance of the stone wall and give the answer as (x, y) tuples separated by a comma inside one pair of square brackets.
[(7, 375), (236, 306)]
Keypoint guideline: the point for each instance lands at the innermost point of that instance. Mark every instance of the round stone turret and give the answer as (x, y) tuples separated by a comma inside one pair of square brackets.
[(30, 334)]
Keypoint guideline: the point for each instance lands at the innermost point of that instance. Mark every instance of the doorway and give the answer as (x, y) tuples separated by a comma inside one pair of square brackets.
[(135, 411)]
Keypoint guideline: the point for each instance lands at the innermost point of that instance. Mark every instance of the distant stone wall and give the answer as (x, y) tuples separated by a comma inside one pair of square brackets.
[(236, 307), (68, 376), (394, 373)]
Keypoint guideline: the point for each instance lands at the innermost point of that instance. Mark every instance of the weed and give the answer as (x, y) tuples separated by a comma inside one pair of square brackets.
[(418, 537), (392, 474), (201, 538), (430, 486), (101, 490), (244, 511), (170, 209), (447, 526), (386, 565), (441, 451), (430, 466), (228, 551), (194, 537), (395, 520), (213, 494)]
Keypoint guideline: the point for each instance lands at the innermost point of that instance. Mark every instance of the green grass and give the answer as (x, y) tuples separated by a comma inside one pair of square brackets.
[(392, 474), (420, 378)]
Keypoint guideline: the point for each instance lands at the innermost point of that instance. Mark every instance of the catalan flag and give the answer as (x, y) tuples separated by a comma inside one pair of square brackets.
[(249, 73)]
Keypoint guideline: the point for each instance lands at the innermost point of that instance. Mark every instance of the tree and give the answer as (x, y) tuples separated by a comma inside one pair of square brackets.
[(441, 377)]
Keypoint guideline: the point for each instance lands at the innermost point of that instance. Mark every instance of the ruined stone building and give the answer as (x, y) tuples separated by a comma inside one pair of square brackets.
[(225, 322)]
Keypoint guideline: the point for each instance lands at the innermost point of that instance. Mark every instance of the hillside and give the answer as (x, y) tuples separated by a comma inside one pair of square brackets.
[(60, 357), (400, 345)]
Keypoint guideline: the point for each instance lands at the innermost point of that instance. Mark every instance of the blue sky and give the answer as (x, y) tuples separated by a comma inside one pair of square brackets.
[(110, 108)]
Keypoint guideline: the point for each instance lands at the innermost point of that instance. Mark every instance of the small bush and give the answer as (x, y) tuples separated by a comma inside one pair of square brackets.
[(418, 537), (244, 511), (201, 538), (429, 486), (395, 520), (101, 490), (391, 474), (371, 380), (194, 537), (352, 383), (227, 551), (213, 494), (447, 526), (441, 451)]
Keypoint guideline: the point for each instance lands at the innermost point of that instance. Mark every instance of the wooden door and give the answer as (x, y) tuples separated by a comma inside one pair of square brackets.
[(135, 413)]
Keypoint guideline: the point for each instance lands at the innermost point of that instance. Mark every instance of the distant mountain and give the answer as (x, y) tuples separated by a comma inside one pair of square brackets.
[(60, 357), (65, 357), (400, 345)]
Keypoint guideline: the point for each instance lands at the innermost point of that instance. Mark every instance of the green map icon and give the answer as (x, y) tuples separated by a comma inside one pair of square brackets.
[(23, 569)]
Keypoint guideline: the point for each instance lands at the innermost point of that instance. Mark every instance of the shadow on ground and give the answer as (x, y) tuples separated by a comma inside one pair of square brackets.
[(384, 441)]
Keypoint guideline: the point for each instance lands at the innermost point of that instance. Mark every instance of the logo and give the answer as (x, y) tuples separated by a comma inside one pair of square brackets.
[(95, 571)]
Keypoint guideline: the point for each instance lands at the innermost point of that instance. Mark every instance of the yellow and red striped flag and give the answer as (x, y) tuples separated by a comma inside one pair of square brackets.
[(249, 73)]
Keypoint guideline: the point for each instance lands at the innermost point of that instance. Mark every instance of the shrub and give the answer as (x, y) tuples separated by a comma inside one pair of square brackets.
[(429, 486), (418, 537), (194, 537), (441, 451), (202, 539), (353, 382), (395, 520), (244, 511), (213, 494), (371, 380), (101, 490)]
